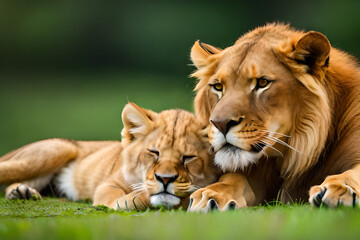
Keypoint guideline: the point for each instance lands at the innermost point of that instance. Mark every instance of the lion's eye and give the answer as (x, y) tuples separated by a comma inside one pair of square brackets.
[(217, 87), (155, 153), (262, 82), (187, 158)]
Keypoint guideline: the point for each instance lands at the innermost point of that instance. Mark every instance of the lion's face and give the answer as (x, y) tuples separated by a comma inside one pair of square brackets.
[(170, 158), (252, 104), (250, 96)]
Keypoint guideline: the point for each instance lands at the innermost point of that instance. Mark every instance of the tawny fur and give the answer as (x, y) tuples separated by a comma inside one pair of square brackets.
[(312, 102), (120, 175)]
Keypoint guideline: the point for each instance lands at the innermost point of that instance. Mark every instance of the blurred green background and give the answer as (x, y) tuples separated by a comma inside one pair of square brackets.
[(67, 68)]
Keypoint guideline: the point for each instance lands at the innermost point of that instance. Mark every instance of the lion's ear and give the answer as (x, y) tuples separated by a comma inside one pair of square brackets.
[(313, 50), (200, 53), (137, 121)]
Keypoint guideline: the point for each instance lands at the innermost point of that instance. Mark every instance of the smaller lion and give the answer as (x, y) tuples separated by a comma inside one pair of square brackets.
[(162, 158)]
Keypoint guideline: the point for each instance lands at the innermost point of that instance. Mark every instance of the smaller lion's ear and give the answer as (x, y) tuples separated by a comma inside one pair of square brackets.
[(137, 122), (313, 50), (200, 53)]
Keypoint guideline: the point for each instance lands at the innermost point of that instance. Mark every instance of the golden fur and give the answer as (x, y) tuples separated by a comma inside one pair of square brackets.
[(161, 160), (284, 113)]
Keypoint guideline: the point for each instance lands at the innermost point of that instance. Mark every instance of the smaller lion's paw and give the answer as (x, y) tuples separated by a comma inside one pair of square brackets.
[(22, 191), (333, 195), (207, 199), (133, 201)]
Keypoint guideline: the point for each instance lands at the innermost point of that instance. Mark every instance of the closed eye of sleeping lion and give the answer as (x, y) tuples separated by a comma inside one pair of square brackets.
[(284, 113), (161, 160)]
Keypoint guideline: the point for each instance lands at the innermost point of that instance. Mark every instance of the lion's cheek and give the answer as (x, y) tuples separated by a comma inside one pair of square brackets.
[(281, 122), (238, 141)]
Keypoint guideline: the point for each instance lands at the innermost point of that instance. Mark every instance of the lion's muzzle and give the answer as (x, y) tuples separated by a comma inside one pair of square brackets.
[(164, 199)]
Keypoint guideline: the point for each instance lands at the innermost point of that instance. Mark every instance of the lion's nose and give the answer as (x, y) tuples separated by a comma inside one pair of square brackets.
[(166, 178), (225, 125)]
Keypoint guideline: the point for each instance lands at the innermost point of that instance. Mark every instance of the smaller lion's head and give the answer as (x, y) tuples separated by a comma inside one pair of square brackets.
[(264, 97), (165, 154)]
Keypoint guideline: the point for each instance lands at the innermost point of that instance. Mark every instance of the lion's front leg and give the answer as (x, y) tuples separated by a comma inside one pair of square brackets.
[(231, 192), (337, 190), (112, 195)]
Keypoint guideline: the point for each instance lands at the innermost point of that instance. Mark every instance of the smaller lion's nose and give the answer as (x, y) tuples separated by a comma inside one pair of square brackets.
[(225, 125), (166, 178)]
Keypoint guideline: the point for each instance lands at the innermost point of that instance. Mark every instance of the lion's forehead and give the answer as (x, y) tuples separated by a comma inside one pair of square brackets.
[(179, 142), (248, 62), (179, 132)]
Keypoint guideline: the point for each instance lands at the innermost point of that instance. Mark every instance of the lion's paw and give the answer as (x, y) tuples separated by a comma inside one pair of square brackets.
[(333, 195), (22, 191), (208, 199), (133, 201)]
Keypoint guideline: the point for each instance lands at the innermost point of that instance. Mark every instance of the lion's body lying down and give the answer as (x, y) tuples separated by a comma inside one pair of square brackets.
[(161, 160), (284, 111)]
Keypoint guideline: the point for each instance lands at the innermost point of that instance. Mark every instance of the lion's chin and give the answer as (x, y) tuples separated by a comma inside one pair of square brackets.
[(164, 199), (231, 158)]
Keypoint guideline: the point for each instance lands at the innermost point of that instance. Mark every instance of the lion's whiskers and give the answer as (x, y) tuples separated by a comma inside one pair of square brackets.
[(272, 133), (282, 143), (268, 145), (258, 147), (138, 186)]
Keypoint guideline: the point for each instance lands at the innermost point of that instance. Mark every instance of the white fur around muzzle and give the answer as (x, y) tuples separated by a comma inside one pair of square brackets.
[(228, 156), (164, 199)]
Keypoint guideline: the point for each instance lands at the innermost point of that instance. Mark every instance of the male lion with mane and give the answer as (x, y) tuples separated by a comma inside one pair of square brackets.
[(283, 109)]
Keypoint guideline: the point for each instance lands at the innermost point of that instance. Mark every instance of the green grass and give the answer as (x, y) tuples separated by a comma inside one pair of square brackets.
[(62, 219)]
